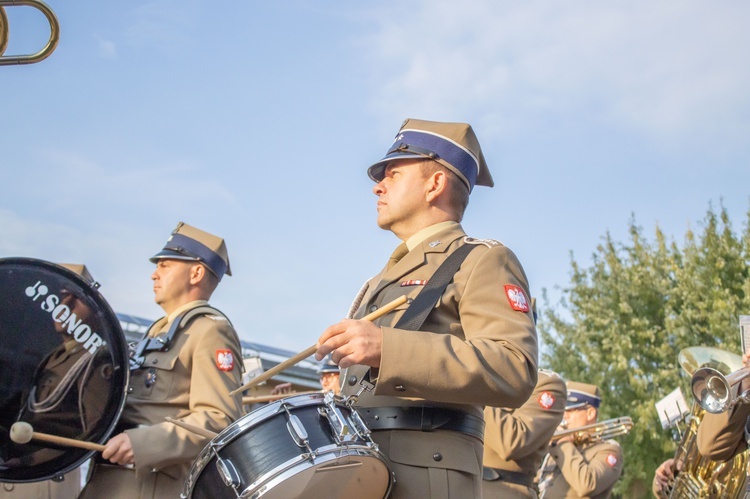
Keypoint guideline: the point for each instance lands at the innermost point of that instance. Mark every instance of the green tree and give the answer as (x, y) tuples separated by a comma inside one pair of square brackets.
[(622, 322)]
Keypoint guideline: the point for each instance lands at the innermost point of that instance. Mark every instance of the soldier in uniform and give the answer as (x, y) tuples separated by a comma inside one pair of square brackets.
[(516, 440), (184, 368), (724, 435), (469, 341), (586, 469)]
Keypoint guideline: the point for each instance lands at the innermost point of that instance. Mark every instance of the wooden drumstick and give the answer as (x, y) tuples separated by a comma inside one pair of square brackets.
[(22, 433), (271, 398), (195, 429), (311, 350)]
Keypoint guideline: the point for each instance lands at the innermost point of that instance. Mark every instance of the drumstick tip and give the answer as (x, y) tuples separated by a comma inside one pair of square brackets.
[(21, 432)]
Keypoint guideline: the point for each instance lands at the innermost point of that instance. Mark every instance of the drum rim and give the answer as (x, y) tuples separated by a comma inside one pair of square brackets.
[(92, 293), (287, 469)]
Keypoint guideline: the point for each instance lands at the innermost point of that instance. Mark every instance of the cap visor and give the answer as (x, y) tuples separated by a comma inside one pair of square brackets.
[(170, 254), (377, 171)]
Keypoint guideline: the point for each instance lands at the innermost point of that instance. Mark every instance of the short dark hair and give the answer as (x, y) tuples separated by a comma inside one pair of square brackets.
[(457, 190)]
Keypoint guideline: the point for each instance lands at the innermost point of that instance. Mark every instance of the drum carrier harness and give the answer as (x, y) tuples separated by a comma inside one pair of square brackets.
[(162, 342)]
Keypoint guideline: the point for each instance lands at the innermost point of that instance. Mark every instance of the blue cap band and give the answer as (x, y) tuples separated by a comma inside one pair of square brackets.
[(576, 398), (190, 247), (462, 160)]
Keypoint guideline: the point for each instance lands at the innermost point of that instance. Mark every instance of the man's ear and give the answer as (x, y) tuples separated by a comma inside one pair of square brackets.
[(197, 273), (438, 183)]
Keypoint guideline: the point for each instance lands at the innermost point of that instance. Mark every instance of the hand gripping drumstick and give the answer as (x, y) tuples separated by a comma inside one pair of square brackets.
[(22, 433), (195, 429), (309, 351)]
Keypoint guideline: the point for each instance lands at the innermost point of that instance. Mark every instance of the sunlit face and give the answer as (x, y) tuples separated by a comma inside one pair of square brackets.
[(401, 197), (582, 416), (171, 283), (330, 382)]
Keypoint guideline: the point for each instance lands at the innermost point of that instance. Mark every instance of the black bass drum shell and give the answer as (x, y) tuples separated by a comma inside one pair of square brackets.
[(63, 367)]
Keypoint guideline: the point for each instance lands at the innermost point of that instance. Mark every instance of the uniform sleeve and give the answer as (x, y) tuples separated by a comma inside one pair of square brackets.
[(514, 434), (210, 405), (495, 363), (722, 436), (592, 474)]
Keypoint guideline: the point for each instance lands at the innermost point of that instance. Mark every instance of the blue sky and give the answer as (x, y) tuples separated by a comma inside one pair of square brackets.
[(257, 120)]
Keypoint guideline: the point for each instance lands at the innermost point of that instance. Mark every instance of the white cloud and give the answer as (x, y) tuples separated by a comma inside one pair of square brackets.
[(671, 69)]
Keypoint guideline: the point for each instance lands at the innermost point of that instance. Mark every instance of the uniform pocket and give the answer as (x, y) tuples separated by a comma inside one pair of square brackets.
[(439, 449), (154, 380)]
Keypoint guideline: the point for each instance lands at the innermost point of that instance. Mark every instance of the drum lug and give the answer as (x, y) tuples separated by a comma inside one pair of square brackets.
[(359, 425), (228, 472), (297, 431), (342, 431)]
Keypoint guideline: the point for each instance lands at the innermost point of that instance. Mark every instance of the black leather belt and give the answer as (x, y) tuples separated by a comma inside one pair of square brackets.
[(495, 474), (422, 419)]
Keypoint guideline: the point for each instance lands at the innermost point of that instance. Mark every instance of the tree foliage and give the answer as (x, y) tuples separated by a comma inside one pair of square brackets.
[(622, 322)]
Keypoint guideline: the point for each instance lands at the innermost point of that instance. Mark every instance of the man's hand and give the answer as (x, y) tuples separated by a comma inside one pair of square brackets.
[(282, 389), (352, 342), (664, 476), (119, 450)]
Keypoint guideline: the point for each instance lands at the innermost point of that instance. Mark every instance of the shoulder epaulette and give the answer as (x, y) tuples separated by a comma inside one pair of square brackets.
[(487, 242), (549, 373)]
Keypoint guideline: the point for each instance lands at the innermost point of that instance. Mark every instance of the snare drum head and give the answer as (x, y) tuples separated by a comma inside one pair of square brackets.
[(64, 367)]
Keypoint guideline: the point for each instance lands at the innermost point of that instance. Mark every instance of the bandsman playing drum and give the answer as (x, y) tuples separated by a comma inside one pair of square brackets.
[(516, 440), (470, 342), (585, 468), (184, 368)]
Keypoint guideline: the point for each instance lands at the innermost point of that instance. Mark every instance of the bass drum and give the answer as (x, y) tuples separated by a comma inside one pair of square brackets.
[(300, 446), (64, 367)]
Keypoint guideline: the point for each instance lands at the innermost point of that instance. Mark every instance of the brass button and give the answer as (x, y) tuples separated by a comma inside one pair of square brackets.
[(352, 380), (373, 308), (155, 361), (437, 456)]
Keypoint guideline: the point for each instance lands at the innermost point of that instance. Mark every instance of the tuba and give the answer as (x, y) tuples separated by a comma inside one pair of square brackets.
[(701, 477)]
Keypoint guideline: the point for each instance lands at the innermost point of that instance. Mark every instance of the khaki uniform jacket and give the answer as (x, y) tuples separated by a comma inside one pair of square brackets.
[(722, 436), (473, 349), (187, 383), (590, 470), (517, 439)]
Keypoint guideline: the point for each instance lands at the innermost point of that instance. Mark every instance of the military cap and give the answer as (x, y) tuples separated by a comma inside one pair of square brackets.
[(189, 243), (453, 145), (79, 269), (582, 394), (328, 366)]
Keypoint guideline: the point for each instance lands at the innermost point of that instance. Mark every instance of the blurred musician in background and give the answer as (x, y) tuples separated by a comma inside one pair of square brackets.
[(516, 440), (724, 435), (330, 376), (184, 368), (576, 467)]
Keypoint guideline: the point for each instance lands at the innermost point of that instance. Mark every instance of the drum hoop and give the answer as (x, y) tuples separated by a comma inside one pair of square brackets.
[(292, 467), (108, 316)]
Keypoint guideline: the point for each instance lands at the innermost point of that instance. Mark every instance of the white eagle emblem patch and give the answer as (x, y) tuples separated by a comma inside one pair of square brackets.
[(224, 360), (517, 298), (546, 400)]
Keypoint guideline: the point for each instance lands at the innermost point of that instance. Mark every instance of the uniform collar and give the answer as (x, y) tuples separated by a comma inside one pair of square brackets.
[(428, 232)]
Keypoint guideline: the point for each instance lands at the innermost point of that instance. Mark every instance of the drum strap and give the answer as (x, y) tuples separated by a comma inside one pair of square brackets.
[(415, 315), (161, 343)]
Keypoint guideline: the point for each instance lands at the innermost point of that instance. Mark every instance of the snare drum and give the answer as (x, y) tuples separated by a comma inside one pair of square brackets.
[(309, 445)]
